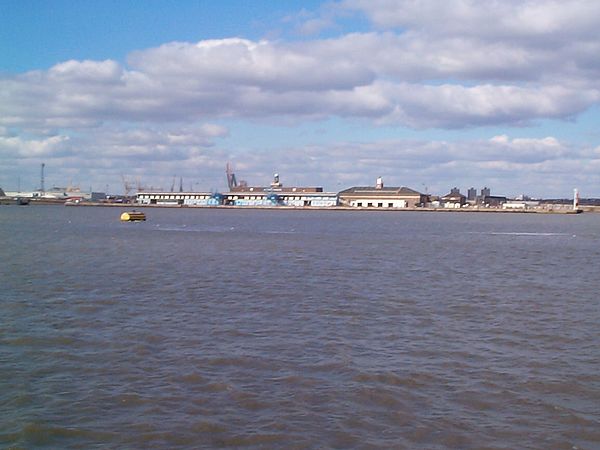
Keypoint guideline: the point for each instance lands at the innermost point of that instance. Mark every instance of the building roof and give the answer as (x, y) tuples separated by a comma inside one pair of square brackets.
[(453, 196), (233, 193), (384, 191), (269, 189), (173, 193)]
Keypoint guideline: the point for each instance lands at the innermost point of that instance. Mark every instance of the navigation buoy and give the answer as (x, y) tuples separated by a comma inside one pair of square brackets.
[(133, 216)]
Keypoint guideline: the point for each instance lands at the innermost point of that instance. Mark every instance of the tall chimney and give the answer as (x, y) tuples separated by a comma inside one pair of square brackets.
[(42, 188)]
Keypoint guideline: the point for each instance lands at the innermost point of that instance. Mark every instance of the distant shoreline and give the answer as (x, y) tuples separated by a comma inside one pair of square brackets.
[(559, 210)]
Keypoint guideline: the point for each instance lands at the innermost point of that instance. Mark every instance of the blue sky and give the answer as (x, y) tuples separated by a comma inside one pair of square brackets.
[(36, 34), (437, 94)]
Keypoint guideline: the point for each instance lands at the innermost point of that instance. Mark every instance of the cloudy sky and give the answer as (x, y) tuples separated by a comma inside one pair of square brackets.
[(428, 94)]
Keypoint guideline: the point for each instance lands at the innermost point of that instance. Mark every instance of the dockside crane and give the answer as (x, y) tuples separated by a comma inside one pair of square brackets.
[(180, 184), (231, 179), (140, 187), (127, 186)]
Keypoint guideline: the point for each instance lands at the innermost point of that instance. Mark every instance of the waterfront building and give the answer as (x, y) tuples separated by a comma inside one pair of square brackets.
[(280, 196), (179, 198), (58, 194), (454, 199), (494, 201), (242, 195), (98, 196), (276, 194), (379, 196), (520, 204)]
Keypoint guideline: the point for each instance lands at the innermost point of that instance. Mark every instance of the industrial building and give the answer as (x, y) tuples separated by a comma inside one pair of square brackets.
[(454, 199), (493, 201), (179, 198), (472, 195), (291, 198), (278, 195), (243, 195)]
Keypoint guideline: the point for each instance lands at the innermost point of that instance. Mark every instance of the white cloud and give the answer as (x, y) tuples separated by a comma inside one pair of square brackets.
[(507, 19), (409, 79), (114, 150), (86, 71), (510, 166), (267, 65), (117, 142), (453, 106), (16, 147)]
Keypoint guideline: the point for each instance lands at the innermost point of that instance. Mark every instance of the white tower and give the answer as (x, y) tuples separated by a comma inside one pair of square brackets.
[(276, 183), (42, 187)]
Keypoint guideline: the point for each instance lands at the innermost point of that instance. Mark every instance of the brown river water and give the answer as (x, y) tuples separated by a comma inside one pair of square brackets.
[(208, 328)]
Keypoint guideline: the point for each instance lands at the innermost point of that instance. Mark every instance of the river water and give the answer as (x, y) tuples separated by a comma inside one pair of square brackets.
[(204, 328)]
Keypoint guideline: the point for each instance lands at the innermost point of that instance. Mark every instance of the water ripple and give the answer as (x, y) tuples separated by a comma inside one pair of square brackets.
[(274, 329)]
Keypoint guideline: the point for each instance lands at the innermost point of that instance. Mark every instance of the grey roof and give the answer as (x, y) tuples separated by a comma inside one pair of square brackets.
[(453, 195), (371, 190)]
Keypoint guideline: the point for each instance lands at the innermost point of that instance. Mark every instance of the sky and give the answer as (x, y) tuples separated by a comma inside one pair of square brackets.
[(427, 94)]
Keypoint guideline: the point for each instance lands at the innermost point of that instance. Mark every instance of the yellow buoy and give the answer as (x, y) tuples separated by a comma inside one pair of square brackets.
[(133, 216)]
